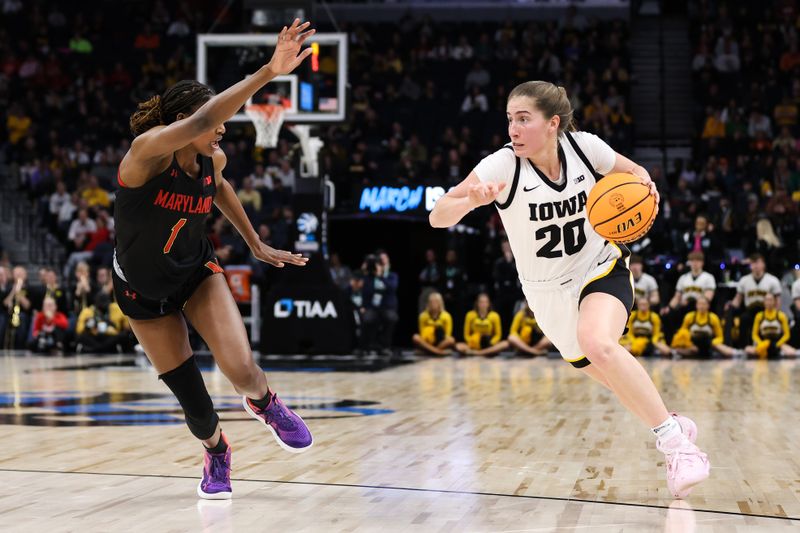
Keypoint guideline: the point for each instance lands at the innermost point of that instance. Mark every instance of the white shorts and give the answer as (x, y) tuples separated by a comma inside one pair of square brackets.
[(555, 303)]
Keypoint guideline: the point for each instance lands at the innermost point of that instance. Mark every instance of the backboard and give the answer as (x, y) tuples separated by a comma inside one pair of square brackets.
[(316, 89)]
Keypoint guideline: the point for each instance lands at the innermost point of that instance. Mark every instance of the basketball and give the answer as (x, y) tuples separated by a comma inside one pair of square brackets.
[(620, 208)]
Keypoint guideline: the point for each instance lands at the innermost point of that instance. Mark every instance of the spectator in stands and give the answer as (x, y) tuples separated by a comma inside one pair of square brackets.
[(97, 246), (507, 291), (104, 282), (430, 277), (50, 288), (80, 230), (82, 292), (49, 329), (645, 285), (435, 335), (726, 54), (262, 179), (454, 282), (95, 195), (56, 203), (483, 330), (644, 336), (392, 281), (282, 229), (751, 291), (18, 304), (6, 285), (286, 175), (378, 317), (702, 239), (65, 214), (250, 198), (526, 336), (340, 274), (101, 327), (758, 123)]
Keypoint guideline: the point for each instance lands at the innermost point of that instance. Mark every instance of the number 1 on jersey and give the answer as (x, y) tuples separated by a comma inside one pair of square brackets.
[(175, 229)]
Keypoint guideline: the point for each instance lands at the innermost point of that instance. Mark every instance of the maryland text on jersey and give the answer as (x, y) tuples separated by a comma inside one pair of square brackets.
[(183, 202)]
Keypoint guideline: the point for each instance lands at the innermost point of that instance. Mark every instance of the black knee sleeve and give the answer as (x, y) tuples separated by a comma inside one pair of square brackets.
[(186, 383)]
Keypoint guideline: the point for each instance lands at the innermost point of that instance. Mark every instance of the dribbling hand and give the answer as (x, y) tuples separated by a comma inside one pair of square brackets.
[(285, 58), (484, 193), (277, 258), (647, 180)]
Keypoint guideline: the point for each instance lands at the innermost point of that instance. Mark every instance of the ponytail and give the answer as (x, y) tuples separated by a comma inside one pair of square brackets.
[(146, 116), (185, 97)]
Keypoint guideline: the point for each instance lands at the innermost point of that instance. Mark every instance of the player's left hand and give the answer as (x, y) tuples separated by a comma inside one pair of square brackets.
[(647, 180), (277, 258), (285, 58)]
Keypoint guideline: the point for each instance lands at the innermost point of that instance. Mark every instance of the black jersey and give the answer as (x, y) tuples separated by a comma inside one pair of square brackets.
[(160, 228)]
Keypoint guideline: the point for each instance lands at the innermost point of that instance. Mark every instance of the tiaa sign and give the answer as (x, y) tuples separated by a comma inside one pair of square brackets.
[(287, 307), (399, 199)]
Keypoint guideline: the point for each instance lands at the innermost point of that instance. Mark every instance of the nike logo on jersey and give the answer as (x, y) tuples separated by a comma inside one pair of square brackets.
[(562, 208), (604, 260), (579, 179), (525, 189)]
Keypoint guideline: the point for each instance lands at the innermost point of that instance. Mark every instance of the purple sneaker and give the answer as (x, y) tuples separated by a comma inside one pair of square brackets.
[(216, 482), (288, 429)]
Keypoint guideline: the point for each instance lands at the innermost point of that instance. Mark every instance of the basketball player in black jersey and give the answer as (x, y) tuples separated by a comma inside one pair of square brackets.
[(165, 268)]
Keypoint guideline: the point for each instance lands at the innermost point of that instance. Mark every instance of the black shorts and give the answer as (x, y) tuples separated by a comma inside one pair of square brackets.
[(618, 283), (136, 306)]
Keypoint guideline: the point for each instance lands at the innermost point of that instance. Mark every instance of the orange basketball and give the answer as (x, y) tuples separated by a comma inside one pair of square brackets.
[(620, 208)]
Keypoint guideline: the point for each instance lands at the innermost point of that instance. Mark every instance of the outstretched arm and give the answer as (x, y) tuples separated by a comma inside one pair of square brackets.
[(167, 139), (462, 199), (230, 205)]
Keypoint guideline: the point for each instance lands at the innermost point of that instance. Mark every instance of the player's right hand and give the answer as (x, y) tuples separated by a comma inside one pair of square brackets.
[(484, 193), (290, 40)]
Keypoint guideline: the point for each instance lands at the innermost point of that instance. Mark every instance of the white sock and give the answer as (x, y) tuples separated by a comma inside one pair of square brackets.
[(667, 431)]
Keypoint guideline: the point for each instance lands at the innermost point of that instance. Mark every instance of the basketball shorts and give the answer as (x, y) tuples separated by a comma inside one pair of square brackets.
[(555, 303), (135, 305)]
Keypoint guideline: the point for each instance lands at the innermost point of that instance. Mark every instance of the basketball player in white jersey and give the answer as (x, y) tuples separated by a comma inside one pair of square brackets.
[(577, 284)]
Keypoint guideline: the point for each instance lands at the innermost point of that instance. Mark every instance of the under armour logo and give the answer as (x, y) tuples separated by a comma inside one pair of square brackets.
[(207, 180), (174, 173), (130, 294), (579, 179)]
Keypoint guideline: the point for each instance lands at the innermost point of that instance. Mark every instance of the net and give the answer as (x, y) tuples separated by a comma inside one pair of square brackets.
[(267, 119)]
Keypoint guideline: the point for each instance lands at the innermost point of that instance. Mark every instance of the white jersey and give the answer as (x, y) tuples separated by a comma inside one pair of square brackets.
[(692, 287), (796, 289), (644, 285), (754, 291), (546, 222)]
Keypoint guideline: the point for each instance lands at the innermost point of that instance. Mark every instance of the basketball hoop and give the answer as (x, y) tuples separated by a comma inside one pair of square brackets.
[(268, 119)]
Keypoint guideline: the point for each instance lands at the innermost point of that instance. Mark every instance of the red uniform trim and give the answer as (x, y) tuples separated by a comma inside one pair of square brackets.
[(119, 180), (214, 267)]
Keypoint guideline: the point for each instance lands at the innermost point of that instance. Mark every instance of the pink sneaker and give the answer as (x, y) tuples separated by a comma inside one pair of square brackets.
[(688, 426), (686, 466)]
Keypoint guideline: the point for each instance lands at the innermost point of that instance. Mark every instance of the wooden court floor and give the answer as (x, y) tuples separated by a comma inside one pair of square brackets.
[(98, 444)]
